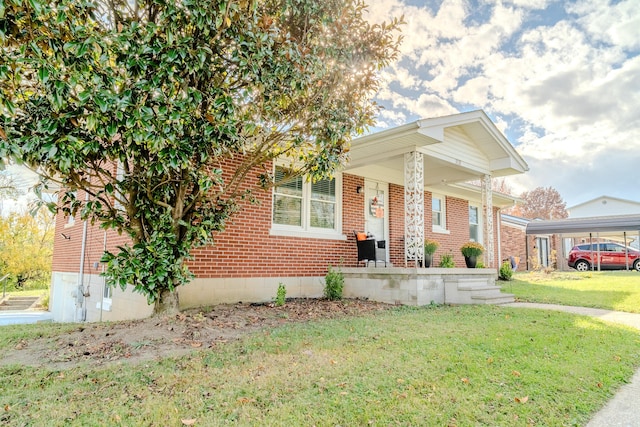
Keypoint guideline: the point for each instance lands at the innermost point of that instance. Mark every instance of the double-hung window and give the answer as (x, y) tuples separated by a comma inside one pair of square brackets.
[(300, 205), (438, 213), (287, 200), (474, 224)]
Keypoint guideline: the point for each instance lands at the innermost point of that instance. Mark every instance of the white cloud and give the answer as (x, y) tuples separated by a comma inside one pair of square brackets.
[(565, 85), (618, 24)]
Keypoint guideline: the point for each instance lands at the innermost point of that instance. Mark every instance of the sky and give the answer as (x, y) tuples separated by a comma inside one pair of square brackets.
[(560, 79)]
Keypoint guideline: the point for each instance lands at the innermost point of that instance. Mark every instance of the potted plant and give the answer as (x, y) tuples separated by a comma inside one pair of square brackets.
[(471, 250), (430, 247)]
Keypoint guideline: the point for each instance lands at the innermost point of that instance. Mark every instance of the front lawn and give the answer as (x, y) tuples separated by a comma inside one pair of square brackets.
[(612, 290), (435, 366)]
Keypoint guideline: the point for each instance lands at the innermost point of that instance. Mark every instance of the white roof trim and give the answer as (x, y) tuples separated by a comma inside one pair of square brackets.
[(502, 160)]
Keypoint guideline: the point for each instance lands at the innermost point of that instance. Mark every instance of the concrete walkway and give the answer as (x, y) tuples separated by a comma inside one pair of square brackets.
[(623, 410), (24, 316)]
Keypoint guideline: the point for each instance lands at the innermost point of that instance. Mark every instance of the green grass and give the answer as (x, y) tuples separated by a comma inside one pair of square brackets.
[(26, 293), (615, 290), (467, 365), (11, 335)]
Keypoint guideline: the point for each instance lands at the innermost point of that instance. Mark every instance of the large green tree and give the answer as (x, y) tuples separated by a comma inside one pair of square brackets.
[(143, 105)]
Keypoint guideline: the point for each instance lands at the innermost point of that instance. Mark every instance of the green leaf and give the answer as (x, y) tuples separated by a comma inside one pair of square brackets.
[(43, 74), (112, 128), (101, 103)]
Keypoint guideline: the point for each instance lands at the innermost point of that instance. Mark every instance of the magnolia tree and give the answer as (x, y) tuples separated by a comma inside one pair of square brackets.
[(134, 109)]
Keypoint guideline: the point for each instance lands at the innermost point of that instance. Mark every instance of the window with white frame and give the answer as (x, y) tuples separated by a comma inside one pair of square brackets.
[(107, 301), (305, 206), (438, 214), (474, 223)]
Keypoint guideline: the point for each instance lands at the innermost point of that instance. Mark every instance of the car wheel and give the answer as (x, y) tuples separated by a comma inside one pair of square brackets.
[(582, 265), (636, 265)]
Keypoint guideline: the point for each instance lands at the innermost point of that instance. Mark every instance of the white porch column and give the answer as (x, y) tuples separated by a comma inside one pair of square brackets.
[(414, 206), (487, 204)]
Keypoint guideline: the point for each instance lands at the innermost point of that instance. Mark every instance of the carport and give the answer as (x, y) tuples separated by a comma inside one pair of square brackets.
[(621, 228)]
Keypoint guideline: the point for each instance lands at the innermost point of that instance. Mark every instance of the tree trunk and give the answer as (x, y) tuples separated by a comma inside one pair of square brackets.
[(168, 303)]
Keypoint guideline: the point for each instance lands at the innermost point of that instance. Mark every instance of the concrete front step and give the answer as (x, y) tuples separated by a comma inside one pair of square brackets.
[(494, 299), (18, 303), (479, 288)]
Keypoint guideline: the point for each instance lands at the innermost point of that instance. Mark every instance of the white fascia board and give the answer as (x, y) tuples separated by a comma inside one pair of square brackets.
[(507, 164)]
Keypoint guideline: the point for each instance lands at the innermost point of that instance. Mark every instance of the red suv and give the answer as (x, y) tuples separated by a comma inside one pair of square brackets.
[(613, 256)]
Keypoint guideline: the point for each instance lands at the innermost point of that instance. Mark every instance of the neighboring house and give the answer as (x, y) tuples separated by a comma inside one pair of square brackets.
[(401, 185), (604, 206), (532, 252)]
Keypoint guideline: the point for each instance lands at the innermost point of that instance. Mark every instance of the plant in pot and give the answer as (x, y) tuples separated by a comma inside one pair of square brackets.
[(471, 251), (430, 247)]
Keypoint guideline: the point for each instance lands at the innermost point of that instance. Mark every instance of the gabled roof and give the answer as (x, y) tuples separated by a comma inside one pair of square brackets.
[(601, 224), (456, 148), (603, 197)]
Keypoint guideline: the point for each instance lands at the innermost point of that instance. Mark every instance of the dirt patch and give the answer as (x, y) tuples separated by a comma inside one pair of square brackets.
[(163, 336)]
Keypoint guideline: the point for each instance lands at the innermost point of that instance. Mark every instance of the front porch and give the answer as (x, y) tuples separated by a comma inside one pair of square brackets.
[(423, 286)]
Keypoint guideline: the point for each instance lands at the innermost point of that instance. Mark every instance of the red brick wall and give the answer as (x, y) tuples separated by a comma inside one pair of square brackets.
[(243, 249), (513, 244), (67, 249), (457, 213), (246, 248), (396, 225), (457, 222)]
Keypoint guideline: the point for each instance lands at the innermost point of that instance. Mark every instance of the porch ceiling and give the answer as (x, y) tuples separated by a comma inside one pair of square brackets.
[(456, 148)]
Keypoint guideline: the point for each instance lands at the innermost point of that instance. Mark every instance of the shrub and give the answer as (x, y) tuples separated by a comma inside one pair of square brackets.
[(506, 273), (480, 264), (334, 284), (281, 295), (446, 261)]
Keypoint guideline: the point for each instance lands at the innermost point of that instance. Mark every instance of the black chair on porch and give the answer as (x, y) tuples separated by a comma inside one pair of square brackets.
[(368, 248)]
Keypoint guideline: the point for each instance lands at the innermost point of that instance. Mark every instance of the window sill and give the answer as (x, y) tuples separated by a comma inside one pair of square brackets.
[(305, 234), (104, 305), (440, 230)]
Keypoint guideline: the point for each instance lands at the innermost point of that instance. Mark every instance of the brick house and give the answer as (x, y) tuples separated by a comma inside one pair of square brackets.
[(401, 185), (532, 252)]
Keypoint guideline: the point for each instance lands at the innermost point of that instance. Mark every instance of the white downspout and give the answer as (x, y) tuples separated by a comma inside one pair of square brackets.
[(499, 232), (81, 309), (104, 282)]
